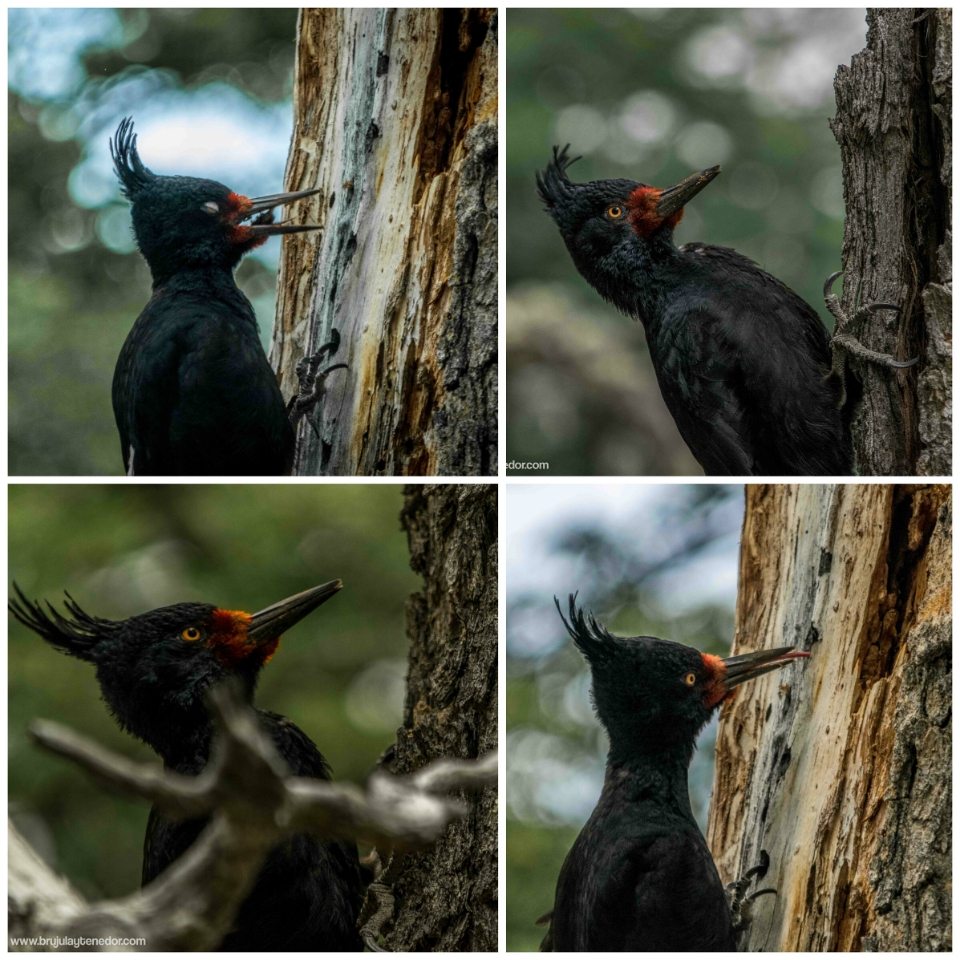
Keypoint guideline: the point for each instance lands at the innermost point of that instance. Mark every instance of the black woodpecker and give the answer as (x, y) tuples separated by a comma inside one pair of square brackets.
[(743, 363), (193, 393), (640, 876), (154, 671)]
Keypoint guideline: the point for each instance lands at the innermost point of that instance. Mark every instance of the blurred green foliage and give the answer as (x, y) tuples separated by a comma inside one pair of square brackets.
[(652, 95), (72, 296), (653, 571), (120, 550)]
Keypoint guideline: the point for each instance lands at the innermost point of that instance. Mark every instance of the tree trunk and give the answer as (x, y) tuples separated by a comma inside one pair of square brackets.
[(396, 122), (893, 125), (845, 779), (446, 898)]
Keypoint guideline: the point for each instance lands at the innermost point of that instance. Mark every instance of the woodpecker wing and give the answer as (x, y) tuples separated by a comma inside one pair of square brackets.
[(193, 393), (308, 890), (745, 384), (707, 397), (639, 879)]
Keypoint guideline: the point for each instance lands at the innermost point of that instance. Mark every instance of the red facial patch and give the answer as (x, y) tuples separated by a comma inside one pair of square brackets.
[(245, 236), (643, 216), (238, 205), (229, 641), (716, 691)]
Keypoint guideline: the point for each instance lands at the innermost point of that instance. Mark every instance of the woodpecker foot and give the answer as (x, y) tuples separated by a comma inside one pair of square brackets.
[(311, 380), (378, 903), (844, 343), (740, 900)]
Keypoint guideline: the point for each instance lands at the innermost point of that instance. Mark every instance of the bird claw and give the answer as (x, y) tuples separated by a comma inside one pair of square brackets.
[(378, 905), (850, 344), (843, 343), (738, 888), (311, 380)]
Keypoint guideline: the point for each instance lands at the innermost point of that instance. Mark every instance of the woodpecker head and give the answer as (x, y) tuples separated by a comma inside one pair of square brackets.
[(605, 222), (653, 695), (190, 222), (154, 669)]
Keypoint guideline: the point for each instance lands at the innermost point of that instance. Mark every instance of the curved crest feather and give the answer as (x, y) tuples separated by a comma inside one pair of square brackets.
[(553, 183), (591, 637), (133, 175), (77, 634)]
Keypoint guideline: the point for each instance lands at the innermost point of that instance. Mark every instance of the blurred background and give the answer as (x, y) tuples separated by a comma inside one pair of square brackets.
[(647, 560), (652, 95), (121, 550), (210, 91)]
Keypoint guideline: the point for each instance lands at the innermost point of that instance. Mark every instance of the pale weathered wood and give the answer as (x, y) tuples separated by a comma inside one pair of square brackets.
[(39, 901), (841, 769), (396, 121), (893, 125)]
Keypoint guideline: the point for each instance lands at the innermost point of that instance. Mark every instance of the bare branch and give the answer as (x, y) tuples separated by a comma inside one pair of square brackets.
[(176, 795), (442, 776), (253, 803)]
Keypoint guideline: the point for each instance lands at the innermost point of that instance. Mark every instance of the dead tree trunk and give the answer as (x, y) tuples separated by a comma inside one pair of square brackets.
[(396, 121), (893, 125), (845, 779), (446, 899)]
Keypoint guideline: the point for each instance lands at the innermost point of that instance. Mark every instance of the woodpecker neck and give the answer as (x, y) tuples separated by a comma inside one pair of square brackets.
[(661, 781), (630, 278), (206, 285), (172, 720), (201, 276), (182, 736), (630, 746)]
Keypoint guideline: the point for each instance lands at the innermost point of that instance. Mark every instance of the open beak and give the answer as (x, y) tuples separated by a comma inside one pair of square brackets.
[(263, 205), (269, 623), (675, 198), (747, 666)]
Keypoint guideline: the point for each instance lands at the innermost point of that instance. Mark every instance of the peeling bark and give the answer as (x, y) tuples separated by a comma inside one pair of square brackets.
[(893, 125), (446, 898), (844, 778), (396, 121)]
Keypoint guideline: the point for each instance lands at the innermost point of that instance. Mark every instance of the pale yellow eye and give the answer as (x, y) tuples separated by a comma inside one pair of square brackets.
[(690, 679), (191, 633), (615, 212)]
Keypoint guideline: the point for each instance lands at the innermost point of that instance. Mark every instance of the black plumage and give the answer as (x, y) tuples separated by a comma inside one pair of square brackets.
[(154, 671), (743, 363), (193, 393), (640, 877)]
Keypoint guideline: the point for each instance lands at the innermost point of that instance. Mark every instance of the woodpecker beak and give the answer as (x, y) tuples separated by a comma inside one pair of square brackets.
[(747, 666), (675, 198), (265, 204), (269, 623)]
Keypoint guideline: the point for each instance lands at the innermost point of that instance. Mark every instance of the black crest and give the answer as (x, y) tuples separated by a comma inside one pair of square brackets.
[(78, 634), (133, 175), (593, 640), (553, 183)]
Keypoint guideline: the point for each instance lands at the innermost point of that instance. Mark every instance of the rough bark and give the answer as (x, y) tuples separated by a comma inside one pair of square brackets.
[(446, 899), (396, 121), (893, 125), (844, 779)]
